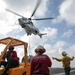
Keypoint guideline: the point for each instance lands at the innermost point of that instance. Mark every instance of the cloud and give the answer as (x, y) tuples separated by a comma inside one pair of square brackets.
[(60, 44), (68, 34), (67, 12), (5, 28), (2, 5), (27, 6), (71, 50), (51, 34), (1, 47), (56, 50), (34, 40)]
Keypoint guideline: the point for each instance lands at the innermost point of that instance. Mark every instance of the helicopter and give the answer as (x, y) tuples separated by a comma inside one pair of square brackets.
[(27, 24)]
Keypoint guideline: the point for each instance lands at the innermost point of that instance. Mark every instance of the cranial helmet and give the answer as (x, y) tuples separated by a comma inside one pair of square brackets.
[(64, 53), (11, 47), (40, 49)]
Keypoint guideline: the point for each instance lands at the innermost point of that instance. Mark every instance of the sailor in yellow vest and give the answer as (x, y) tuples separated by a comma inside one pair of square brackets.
[(65, 61)]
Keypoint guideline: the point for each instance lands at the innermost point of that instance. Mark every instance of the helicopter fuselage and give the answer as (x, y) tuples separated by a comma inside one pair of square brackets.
[(28, 26)]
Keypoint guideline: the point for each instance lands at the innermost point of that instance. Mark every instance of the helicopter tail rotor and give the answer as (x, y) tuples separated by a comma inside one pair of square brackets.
[(42, 35)]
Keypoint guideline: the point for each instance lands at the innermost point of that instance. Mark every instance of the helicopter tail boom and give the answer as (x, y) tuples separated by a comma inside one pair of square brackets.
[(42, 34)]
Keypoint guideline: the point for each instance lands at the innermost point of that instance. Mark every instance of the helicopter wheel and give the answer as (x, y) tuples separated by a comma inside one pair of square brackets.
[(23, 25)]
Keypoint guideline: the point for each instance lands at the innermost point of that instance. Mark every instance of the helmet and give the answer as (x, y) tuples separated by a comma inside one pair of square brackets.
[(64, 53), (40, 49), (11, 47)]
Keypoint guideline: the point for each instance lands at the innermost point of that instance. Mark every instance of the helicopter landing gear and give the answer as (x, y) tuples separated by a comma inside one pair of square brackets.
[(28, 34)]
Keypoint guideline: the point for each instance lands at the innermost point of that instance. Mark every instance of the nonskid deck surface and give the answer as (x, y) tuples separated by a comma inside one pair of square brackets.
[(60, 71)]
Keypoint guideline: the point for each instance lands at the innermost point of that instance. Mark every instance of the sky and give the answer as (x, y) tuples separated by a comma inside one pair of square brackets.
[(60, 31)]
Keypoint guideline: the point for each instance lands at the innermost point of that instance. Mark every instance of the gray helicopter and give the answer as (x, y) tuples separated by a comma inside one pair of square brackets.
[(27, 23)]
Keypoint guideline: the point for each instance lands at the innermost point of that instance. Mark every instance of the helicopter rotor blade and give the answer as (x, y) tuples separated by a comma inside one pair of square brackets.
[(14, 13), (38, 3), (43, 18)]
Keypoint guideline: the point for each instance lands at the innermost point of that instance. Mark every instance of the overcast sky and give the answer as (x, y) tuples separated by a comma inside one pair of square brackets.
[(60, 31)]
